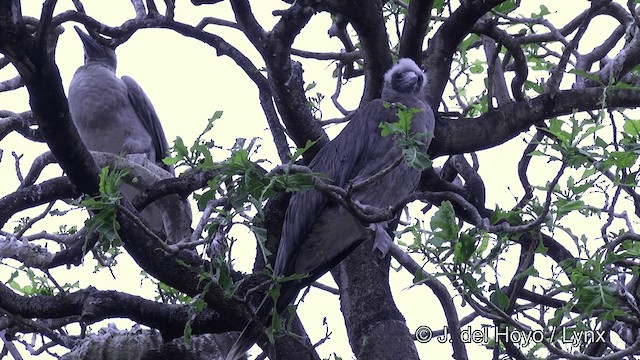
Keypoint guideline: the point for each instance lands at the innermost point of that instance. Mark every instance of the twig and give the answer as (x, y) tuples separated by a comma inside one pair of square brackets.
[(326, 288), (34, 220), (441, 292), (336, 93)]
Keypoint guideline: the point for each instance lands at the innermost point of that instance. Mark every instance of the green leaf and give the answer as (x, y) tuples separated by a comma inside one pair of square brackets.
[(484, 243), (310, 86), (180, 150), (622, 159), (443, 223), (632, 127), (302, 150), (506, 7), (586, 75), (418, 277), (416, 159), (216, 115), (477, 67), (565, 206), (530, 271), (500, 299), (511, 217), (281, 279), (439, 6), (464, 248), (543, 12)]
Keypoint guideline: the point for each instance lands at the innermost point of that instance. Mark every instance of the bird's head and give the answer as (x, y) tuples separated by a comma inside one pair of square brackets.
[(94, 52), (405, 77)]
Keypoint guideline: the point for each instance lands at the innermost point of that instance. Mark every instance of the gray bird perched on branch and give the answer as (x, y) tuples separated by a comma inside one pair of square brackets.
[(114, 115), (318, 233)]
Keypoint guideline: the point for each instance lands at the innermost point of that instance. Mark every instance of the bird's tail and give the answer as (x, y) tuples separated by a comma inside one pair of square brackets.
[(248, 337), (252, 332)]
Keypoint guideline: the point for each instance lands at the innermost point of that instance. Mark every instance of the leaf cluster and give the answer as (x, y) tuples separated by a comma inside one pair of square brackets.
[(412, 144)]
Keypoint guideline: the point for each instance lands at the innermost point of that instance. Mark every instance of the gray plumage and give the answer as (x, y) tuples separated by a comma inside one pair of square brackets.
[(317, 233), (114, 115)]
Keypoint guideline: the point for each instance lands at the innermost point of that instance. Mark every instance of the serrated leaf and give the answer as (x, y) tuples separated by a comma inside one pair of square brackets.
[(443, 223)]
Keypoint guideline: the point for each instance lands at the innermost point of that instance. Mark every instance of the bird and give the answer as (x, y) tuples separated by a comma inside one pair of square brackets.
[(114, 115), (317, 233)]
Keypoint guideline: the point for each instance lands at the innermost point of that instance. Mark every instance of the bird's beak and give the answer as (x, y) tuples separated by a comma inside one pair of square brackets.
[(417, 87), (412, 81), (89, 43)]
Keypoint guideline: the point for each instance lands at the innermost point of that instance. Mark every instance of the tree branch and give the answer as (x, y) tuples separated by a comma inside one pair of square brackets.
[(496, 127)]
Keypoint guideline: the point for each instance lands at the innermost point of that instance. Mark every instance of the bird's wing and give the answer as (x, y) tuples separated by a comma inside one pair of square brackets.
[(339, 160), (150, 120)]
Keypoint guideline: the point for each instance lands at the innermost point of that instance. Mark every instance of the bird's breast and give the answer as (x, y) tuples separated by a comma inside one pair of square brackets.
[(101, 109), (98, 87)]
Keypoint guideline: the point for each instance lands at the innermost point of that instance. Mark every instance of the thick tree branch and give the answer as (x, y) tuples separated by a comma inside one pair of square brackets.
[(445, 43), (34, 195), (415, 28), (498, 126), (93, 305), (285, 76), (49, 103)]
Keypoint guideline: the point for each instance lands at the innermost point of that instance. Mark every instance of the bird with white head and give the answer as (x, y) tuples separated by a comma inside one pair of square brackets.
[(317, 233)]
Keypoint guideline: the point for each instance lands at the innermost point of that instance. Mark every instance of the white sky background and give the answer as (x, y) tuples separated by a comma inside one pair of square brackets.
[(187, 83)]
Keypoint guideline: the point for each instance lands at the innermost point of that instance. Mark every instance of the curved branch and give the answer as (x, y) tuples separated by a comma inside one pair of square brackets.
[(285, 76), (95, 305), (441, 292), (445, 43), (10, 121), (34, 195), (503, 38), (498, 126)]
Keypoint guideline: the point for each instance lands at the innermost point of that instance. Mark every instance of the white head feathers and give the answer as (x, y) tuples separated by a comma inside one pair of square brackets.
[(405, 77)]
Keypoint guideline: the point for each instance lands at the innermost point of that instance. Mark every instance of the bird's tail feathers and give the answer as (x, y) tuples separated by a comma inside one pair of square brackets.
[(247, 338), (252, 332), (254, 329)]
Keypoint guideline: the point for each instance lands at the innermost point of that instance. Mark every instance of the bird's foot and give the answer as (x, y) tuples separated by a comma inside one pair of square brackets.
[(382, 241)]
